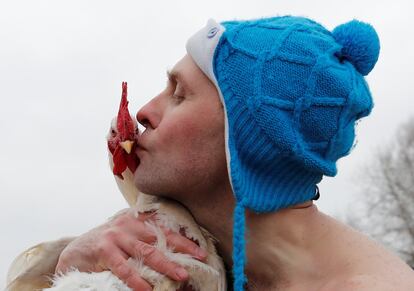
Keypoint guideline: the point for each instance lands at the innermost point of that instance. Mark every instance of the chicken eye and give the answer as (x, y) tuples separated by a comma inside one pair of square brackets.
[(113, 132)]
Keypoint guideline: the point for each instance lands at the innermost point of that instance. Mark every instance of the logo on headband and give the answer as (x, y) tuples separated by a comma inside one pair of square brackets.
[(212, 32)]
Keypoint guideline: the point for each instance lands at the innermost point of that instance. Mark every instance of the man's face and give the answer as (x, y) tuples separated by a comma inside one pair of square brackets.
[(183, 144)]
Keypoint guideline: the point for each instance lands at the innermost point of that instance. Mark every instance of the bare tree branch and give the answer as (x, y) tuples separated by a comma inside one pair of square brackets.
[(387, 209)]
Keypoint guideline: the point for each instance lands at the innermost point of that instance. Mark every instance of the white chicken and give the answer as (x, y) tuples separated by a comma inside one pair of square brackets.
[(25, 273)]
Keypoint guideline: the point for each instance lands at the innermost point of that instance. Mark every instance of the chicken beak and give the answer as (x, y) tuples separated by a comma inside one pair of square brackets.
[(127, 145)]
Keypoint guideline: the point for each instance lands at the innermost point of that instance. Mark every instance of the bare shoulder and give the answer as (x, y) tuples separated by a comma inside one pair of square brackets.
[(362, 264), (371, 282)]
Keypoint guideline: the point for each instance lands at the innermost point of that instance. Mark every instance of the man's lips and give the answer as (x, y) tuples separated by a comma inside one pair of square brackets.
[(139, 145), (139, 149)]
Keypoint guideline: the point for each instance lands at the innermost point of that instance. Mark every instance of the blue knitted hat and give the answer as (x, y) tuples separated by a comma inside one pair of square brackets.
[(292, 92)]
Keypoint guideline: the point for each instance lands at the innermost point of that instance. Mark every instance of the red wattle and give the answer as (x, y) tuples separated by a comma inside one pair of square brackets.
[(119, 159), (132, 162)]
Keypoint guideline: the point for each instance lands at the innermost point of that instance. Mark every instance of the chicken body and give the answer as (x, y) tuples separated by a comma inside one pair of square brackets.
[(33, 268)]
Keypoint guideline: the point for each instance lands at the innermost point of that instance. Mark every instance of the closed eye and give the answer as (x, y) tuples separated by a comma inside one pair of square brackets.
[(178, 97), (178, 94)]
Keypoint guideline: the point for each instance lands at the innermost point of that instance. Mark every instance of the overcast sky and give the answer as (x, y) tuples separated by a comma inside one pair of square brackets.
[(61, 68)]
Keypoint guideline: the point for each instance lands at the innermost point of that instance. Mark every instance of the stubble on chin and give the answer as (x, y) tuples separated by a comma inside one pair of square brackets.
[(151, 183), (141, 181)]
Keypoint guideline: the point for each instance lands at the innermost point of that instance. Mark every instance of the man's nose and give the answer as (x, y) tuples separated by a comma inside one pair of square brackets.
[(148, 115)]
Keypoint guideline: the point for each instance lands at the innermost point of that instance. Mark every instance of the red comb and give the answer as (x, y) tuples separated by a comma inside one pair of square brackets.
[(125, 124), (124, 101)]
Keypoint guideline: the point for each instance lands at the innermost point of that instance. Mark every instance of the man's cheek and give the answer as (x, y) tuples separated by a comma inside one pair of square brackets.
[(181, 132)]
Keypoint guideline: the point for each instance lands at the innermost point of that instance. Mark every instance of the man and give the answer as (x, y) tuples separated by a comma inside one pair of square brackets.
[(252, 117)]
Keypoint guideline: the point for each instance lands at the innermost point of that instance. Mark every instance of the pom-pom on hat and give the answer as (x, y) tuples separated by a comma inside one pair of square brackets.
[(292, 92)]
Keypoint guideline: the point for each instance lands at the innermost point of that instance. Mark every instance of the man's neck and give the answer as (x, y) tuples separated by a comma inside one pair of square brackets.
[(277, 249)]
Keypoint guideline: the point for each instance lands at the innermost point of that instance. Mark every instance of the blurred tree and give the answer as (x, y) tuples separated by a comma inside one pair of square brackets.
[(386, 211)]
